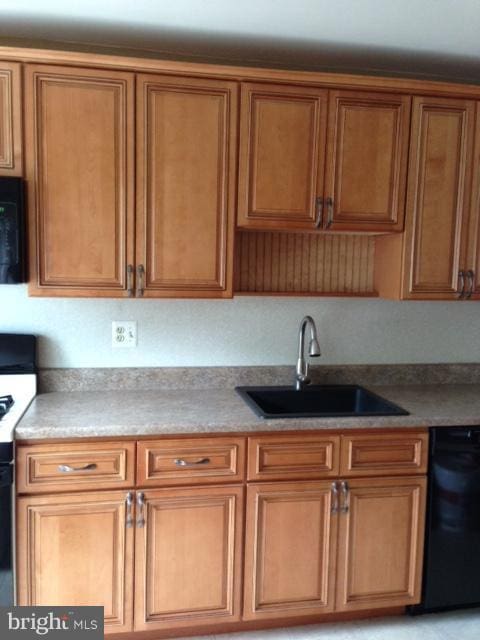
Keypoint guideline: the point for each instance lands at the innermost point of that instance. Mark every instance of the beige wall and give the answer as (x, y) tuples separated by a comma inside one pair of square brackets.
[(243, 331)]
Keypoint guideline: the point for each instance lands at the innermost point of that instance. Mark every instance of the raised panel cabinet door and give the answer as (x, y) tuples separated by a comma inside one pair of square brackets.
[(438, 196), (186, 172), (79, 125), (188, 557), (290, 550), (10, 119), (76, 550), (380, 552), (282, 156), (473, 262), (366, 161)]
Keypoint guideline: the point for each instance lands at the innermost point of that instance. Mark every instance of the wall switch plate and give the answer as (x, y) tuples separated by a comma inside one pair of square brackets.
[(124, 334)]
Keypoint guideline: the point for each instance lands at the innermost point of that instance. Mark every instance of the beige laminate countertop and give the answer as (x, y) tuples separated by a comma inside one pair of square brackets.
[(74, 414)]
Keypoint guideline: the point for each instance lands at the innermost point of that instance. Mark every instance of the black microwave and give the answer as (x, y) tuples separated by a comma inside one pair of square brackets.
[(12, 231)]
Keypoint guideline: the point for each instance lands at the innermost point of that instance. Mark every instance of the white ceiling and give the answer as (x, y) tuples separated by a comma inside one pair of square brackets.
[(436, 37)]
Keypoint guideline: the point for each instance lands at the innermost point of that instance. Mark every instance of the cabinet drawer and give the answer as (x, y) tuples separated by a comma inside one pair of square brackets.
[(68, 467), (293, 457), (192, 461), (376, 455)]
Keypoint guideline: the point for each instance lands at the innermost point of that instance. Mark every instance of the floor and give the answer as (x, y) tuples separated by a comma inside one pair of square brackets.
[(456, 625)]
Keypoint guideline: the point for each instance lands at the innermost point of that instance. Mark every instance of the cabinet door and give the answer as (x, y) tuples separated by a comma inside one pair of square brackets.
[(188, 557), (438, 197), (282, 149), (473, 263), (186, 163), (79, 146), (76, 550), (289, 550), (10, 120), (381, 543), (366, 161)]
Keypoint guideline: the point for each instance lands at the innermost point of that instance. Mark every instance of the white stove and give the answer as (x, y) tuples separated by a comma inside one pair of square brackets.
[(22, 388)]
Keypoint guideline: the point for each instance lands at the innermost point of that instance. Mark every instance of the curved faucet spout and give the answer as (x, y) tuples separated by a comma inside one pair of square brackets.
[(301, 374)]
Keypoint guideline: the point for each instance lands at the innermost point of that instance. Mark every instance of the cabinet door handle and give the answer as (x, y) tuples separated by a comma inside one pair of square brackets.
[(180, 462), (345, 497), (129, 280), (141, 510), (329, 213), (140, 280), (129, 503), (66, 468), (334, 508), (319, 216), (471, 277), (461, 285)]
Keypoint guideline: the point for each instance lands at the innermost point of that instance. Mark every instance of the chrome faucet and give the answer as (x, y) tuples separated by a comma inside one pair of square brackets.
[(301, 374)]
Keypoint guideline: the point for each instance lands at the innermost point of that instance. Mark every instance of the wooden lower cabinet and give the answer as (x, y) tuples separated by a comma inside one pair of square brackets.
[(380, 544), (76, 549), (319, 547), (290, 550), (188, 558)]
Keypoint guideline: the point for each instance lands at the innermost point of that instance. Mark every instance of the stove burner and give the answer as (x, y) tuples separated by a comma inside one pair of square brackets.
[(5, 404)]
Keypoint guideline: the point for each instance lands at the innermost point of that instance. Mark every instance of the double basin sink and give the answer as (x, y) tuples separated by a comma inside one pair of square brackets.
[(317, 401)]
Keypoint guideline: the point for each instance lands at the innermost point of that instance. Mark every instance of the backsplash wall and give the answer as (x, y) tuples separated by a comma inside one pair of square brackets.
[(242, 331)]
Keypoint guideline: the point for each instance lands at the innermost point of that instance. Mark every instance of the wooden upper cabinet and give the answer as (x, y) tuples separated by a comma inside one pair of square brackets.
[(282, 146), (367, 152), (287, 145), (186, 172), (473, 258), (381, 533), (188, 558), (76, 550), (79, 143), (10, 119), (438, 194)]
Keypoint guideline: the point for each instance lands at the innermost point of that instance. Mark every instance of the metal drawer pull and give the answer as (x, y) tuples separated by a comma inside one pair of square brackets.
[(130, 280), (345, 497), (141, 510), (334, 498), (129, 503), (66, 468), (461, 288), (319, 216), (184, 463), (471, 277), (329, 213), (140, 280)]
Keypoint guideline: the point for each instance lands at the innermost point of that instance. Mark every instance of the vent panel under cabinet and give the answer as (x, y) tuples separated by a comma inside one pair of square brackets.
[(304, 263)]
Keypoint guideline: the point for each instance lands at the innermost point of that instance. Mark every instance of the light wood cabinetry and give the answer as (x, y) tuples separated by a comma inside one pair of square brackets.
[(186, 167), (81, 171), (77, 550), (282, 141), (188, 558), (79, 142), (430, 262), (75, 467), (287, 148), (10, 119), (290, 550), (190, 461), (381, 528), (293, 457), (334, 523), (473, 257), (339, 544)]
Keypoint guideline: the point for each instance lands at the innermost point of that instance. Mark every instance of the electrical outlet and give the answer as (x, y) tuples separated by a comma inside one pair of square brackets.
[(124, 334)]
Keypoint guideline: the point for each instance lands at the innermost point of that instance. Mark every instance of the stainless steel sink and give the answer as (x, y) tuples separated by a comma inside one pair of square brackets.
[(317, 401)]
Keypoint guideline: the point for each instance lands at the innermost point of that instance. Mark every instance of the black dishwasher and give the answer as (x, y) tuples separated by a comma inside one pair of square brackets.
[(451, 577)]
